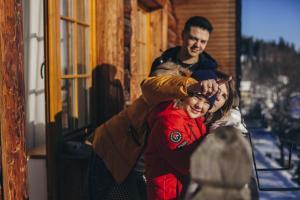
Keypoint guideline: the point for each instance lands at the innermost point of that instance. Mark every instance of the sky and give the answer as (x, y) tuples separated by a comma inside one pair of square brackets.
[(271, 19)]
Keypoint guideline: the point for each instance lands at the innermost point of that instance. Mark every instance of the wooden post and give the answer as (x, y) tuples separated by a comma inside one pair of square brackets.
[(12, 100)]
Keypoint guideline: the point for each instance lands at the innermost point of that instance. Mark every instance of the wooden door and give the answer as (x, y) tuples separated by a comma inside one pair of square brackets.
[(151, 39)]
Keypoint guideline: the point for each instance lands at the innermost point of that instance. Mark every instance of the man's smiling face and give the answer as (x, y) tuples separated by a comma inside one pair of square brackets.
[(195, 41)]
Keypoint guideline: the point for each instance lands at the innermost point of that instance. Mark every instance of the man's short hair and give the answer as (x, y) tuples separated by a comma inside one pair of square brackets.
[(198, 21)]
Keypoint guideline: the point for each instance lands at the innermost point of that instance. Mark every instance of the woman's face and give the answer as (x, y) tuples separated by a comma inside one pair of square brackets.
[(222, 96), (195, 106)]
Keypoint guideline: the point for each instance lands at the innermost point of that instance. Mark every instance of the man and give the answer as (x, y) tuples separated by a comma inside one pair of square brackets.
[(191, 54)]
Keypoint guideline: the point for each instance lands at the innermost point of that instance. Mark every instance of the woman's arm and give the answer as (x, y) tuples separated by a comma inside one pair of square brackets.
[(165, 88)]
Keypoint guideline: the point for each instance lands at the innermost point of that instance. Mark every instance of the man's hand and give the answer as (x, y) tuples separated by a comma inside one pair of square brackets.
[(206, 87), (220, 82), (209, 87)]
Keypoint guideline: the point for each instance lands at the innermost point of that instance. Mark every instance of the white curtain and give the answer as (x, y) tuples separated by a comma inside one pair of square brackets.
[(34, 84)]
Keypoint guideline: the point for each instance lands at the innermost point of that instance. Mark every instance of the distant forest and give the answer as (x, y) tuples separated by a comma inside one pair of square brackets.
[(263, 62)]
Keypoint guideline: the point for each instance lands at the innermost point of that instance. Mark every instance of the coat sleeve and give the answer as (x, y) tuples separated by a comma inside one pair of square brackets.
[(174, 143), (165, 88)]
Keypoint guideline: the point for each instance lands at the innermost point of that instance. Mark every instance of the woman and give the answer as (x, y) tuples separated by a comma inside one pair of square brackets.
[(225, 110), (230, 115), (176, 129)]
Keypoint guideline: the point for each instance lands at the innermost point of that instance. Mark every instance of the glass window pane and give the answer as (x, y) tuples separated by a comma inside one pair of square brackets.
[(82, 50), (66, 47), (83, 103), (82, 10), (72, 116), (69, 119), (66, 8)]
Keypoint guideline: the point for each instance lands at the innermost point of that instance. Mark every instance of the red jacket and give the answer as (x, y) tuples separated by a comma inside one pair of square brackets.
[(173, 138)]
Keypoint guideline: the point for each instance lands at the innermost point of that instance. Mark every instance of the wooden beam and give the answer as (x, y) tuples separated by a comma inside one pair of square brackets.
[(151, 5), (12, 100)]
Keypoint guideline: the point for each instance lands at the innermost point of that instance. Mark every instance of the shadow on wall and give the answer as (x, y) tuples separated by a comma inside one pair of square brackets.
[(107, 94), (107, 99)]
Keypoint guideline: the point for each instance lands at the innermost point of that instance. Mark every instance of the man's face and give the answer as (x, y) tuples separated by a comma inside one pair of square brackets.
[(195, 41)]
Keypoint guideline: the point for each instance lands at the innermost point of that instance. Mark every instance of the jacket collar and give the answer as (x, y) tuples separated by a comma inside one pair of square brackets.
[(205, 60)]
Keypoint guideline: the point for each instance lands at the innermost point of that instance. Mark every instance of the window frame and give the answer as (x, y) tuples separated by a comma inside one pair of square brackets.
[(54, 75), (53, 83)]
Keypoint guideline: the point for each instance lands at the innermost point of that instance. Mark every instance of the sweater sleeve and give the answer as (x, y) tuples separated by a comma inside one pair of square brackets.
[(165, 88)]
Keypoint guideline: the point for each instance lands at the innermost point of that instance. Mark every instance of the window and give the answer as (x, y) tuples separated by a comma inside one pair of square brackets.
[(151, 38), (70, 61), (75, 62)]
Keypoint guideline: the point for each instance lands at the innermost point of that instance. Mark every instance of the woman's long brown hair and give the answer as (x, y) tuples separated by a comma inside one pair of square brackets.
[(231, 102)]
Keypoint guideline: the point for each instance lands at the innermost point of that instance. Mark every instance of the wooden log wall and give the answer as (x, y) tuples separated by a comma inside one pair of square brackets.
[(110, 35), (164, 23), (222, 15), (130, 8), (173, 36), (12, 100)]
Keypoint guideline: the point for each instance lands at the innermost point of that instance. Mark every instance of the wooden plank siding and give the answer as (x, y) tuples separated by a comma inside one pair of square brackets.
[(222, 15), (12, 101)]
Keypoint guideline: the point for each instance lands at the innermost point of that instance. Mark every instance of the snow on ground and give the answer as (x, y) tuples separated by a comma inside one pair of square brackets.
[(266, 151)]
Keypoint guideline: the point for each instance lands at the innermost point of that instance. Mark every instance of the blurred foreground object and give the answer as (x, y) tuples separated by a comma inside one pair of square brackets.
[(221, 166)]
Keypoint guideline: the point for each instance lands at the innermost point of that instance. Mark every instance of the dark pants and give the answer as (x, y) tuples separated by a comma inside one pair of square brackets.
[(101, 184)]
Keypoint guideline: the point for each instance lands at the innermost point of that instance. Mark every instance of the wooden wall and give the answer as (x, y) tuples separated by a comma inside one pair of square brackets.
[(163, 34), (110, 34), (12, 101), (222, 15), (173, 36)]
